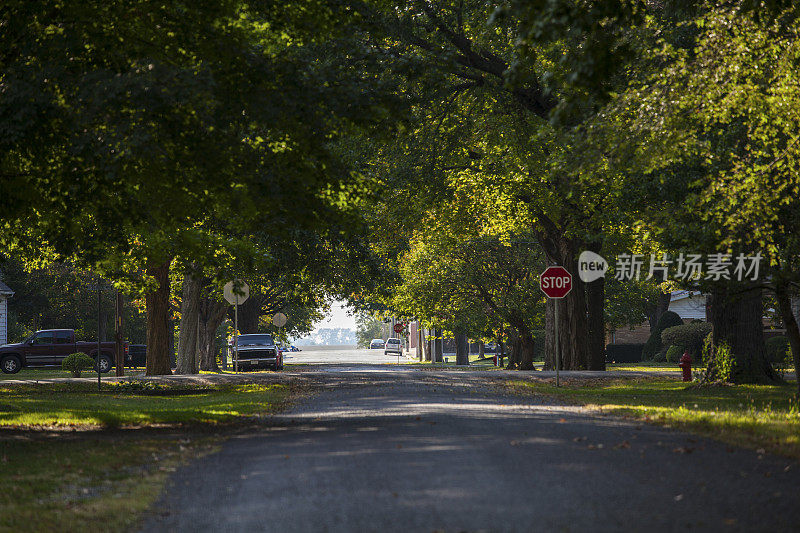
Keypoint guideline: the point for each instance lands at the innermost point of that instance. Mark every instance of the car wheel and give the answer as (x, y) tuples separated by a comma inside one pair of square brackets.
[(105, 363), (11, 364)]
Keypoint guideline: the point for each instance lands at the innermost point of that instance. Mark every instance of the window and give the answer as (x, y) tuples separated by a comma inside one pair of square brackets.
[(45, 337), (63, 337)]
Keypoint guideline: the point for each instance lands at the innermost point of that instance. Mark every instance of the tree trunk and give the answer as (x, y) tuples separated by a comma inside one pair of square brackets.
[(438, 346), (790, 323), (158, 330), (573, 327), (526, 352), (595, 300), (250, 314), (462, 349), (501, 352), (420, 342), (737, 320), (427, 348), (187, 361), (481, 350), (212, 313), (661, 307)]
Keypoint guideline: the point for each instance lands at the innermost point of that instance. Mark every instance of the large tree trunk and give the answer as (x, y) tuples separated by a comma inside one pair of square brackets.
[(737, 320), (158, 330), (790, 323), (187, 361), (526, 351), (595, 301), (438, 346), (573, 326), (212, 313), (462, 349), (250, 313)]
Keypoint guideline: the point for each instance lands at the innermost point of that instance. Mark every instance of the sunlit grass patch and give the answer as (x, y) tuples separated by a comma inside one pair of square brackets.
[(79, 404), (755, 416)]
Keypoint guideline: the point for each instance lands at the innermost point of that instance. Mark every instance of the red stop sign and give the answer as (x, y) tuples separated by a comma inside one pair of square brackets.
[(555, 282), (398, 328)]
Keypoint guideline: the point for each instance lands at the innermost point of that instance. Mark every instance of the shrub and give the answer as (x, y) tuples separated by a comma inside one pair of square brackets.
[(624, 353), (687, 337), (653, 344), (660, 357), (76, 363), (673, 354), (776, 349)]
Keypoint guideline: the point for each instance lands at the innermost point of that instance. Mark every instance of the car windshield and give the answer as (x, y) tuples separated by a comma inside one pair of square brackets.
[(255, 340), (393, 341)]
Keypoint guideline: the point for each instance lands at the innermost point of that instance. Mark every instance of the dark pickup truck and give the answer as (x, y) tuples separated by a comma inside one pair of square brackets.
[(49, 347)]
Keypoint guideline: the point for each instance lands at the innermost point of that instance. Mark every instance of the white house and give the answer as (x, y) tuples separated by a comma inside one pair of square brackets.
[(5, 294), (689, 305)]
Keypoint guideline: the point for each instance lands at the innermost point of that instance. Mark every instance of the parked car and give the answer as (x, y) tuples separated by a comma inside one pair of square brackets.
[(137, 355), (393, 346), (49, 347), (376, 343), (258, 349)]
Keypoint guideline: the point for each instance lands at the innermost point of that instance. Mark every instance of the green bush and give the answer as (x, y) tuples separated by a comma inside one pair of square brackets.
[(660, 357), (653, 345), (687, 337), (673, 354), (776, 348), (76, 363)]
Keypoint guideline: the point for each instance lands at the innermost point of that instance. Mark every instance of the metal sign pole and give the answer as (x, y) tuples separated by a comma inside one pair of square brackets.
[(236, 335), (558, 348), (98, 335)]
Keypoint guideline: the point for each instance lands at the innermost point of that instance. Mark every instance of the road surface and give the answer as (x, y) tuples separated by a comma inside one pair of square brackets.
[(386, 448), (338, 355)]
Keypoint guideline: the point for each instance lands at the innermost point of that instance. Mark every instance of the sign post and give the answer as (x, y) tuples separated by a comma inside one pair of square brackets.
[(236, 292), (555, 282), (279, 320)]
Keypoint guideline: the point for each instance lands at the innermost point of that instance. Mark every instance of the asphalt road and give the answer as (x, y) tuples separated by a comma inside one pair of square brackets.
[(339, 355), (386, 448)]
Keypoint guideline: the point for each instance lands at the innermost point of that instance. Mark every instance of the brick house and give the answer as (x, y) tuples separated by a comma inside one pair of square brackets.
[(5, 294)]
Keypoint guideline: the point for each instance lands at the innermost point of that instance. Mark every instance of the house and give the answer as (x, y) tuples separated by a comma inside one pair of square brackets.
[(5, 294), (690, 305)]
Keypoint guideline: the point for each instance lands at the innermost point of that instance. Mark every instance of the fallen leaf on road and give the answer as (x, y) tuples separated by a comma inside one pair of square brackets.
[(678, 498), (761, 451), (417, 418), (514, 443), (578, 439), (682, 449), (562, 420), (623, 444)]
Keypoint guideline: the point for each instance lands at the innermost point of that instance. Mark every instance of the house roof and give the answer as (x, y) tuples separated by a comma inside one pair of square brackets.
[(5, 290), (680, 295)]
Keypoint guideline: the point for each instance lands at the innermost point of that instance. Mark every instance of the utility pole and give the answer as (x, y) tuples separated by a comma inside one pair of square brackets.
[(99, 386), (119, 356)]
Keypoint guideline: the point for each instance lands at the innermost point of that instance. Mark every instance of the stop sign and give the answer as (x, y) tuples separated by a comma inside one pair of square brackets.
[(555, 282)]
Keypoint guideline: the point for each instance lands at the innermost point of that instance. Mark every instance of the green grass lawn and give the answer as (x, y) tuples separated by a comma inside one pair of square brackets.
[(80, 404), (73, 458), (754, 416)]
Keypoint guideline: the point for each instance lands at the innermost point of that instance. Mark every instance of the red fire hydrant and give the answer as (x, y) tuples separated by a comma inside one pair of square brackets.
[(686, 365)]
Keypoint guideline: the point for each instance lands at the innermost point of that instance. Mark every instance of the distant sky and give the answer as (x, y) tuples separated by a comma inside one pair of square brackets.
[(337, 318)]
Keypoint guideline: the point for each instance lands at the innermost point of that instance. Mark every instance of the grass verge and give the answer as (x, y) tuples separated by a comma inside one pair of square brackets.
[(754, 416), (72, 460)]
